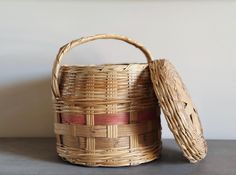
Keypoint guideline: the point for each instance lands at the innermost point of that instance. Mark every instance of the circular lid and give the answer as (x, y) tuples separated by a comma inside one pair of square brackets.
[(180, 113)]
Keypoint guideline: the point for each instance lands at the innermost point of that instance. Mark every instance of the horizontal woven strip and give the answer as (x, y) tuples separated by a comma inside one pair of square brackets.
[(101, 109), (110, 143), (101, 130), (108, 119), (99, 101)]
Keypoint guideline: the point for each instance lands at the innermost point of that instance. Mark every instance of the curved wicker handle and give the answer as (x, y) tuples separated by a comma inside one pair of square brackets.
[(64, 49)]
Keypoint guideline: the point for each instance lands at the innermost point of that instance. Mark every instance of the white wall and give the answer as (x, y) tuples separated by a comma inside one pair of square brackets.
[(199, 37)]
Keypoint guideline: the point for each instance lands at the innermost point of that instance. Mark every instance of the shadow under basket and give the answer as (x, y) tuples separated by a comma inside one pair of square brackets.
[(105, 115)]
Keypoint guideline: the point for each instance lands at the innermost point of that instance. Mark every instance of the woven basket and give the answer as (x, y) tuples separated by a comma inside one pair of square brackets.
[(105, 115)]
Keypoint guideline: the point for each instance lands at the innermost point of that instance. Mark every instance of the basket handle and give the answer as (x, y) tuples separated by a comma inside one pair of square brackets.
[(64, 49)]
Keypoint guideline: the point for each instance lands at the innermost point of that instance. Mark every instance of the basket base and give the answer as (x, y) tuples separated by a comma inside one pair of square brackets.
[(110, 158)]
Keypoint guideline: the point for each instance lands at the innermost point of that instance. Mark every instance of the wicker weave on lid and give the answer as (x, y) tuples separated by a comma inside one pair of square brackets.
[(179, 110)]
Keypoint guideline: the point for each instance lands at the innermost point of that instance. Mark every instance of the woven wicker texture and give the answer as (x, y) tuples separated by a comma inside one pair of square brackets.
[(180, 113), (105, 115)]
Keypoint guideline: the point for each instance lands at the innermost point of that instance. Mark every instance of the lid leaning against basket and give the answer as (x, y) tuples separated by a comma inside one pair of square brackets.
[(178, 108), (105, 115)]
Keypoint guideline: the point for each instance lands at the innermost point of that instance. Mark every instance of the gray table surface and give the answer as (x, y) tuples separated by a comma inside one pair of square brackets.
[(38, 156)]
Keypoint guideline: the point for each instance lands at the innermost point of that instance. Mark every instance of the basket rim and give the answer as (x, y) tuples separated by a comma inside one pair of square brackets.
[(97, 65)]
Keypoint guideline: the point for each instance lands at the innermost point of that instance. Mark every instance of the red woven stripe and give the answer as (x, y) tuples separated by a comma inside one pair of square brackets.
[(108, 119), (73, 119), (111, 119)]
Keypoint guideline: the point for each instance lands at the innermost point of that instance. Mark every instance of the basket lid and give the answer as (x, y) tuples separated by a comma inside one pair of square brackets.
[(179, 110)]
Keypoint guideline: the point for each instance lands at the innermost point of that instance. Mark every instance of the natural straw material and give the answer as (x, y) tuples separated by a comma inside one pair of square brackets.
[(105, 115), (180, 113)]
